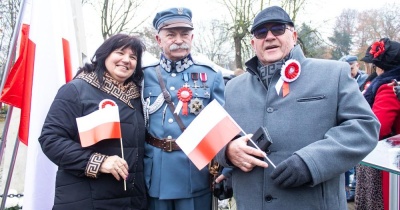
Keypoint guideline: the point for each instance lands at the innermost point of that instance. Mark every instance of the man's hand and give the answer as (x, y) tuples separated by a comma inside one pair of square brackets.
[(242, 156), (219, 178)]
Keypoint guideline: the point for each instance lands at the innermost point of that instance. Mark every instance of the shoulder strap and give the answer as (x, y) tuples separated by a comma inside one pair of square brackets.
[(167, 98)]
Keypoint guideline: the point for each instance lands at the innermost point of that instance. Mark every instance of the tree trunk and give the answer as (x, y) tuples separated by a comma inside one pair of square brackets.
[(238, 52)]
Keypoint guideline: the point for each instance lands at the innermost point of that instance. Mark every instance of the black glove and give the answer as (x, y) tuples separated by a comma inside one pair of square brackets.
[(292, 172)]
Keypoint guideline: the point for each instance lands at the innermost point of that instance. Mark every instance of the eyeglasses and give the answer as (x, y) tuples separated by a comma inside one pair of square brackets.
[(276, 30)]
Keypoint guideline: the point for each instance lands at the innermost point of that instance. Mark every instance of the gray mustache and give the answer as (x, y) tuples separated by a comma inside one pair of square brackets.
[(176, 47)]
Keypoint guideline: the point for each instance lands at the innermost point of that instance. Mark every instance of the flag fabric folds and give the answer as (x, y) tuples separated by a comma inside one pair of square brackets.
[(99, 125), (17, 89), (211, 130), (47, 56)]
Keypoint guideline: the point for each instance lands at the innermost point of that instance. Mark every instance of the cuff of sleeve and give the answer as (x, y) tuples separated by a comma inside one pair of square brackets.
[(93, 166)]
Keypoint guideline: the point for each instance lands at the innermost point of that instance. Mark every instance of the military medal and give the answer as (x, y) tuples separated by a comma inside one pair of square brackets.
[(203, 78), (195, 77), (185, 77), (196, 105)]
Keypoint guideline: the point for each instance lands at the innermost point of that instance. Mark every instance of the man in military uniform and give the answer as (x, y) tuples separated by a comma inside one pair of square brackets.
[(175, 90), (356, 73)]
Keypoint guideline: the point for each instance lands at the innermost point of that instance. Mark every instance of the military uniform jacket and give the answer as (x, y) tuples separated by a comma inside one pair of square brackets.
[(324, 119), (172, 175)]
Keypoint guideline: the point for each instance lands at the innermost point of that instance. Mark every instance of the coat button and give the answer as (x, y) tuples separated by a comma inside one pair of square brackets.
[(270, 109), (173, 75), (169, 137), (172, 88), (170, 120), (268, 198)]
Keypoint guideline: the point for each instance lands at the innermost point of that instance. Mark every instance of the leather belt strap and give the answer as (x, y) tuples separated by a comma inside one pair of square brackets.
[(167, 145), (167, 98)]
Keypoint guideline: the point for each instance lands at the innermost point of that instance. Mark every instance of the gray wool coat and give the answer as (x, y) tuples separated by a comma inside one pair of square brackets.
[(324, 119)]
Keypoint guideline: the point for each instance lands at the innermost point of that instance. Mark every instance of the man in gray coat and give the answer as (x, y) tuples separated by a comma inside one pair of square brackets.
[(318, 120)]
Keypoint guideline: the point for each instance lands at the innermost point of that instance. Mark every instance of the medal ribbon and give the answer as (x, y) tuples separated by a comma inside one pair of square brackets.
[(203, 78), (285, 89), (195, 77), (185, 77)]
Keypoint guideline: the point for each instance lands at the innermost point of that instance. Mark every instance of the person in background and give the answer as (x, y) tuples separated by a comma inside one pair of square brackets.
[(356, 73), (360, 77), (93, 177), (372, 75), (178, 84), (372, 188), (228, 77), (319, 123), (237, 72)]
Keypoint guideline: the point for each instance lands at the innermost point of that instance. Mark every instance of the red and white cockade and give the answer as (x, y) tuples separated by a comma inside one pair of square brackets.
[(290, 71), (106, 102)]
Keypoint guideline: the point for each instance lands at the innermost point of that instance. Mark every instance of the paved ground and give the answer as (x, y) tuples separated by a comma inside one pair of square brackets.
[(232, 206), (351, 206)]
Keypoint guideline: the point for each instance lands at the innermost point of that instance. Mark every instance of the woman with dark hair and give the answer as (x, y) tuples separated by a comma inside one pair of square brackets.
[(97, 176), (372, 188)]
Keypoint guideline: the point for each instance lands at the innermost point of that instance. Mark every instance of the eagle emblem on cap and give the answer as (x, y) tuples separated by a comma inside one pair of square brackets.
[(180, 11)]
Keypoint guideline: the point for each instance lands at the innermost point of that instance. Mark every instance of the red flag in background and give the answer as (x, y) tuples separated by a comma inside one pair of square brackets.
[(48, 53), (18, 87)]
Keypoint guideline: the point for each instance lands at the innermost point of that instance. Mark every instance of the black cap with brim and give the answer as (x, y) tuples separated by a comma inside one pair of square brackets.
[(272, 14)]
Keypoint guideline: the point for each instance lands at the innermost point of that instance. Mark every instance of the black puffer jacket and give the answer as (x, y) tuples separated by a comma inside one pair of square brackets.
[(60, 142)]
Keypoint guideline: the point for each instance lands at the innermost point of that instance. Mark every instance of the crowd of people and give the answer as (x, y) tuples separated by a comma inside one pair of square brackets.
[(372, 188), (321, 115)]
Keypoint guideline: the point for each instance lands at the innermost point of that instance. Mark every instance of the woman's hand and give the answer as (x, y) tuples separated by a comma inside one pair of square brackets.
[(115, 165)]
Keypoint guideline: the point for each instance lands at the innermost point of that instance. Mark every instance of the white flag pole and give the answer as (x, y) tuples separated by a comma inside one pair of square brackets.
[(122, 153), (265, 155)]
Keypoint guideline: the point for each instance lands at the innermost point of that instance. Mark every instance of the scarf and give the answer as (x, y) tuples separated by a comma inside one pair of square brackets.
[(124, 93), (266, 72), (380, 80)]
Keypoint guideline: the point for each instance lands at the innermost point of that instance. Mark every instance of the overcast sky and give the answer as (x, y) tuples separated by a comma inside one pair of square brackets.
[(318, 13)]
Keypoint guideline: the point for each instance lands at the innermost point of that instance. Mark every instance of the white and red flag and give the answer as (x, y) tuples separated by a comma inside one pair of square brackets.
[(47, 59), (211, 130), (99, 125)]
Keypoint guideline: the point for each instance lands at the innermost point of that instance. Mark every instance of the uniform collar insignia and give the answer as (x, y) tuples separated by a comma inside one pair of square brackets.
[(179, 66)]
